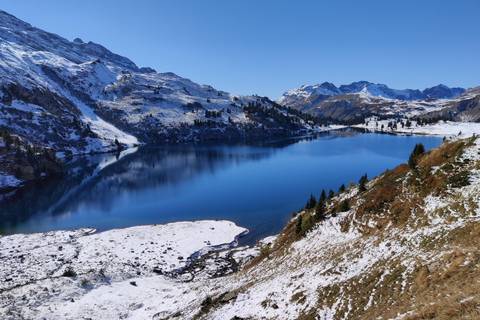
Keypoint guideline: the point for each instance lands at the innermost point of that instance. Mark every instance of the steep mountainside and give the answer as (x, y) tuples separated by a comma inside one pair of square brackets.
[(79, 97), (359, 99)]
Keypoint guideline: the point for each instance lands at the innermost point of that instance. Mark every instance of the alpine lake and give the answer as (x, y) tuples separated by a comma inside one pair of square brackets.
[(255, 184)]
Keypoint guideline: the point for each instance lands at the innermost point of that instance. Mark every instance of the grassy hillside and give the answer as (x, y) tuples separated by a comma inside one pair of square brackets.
[(407, 248)]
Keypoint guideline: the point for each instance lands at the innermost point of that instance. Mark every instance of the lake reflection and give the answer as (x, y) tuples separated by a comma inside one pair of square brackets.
[(257, 185)]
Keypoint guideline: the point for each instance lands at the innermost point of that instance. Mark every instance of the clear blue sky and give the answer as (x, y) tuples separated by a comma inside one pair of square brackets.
[(267, 47)]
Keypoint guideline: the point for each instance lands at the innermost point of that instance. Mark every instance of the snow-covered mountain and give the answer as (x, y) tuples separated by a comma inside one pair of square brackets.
[(442, 92), (376, 90), (357, 99), (80, 97)]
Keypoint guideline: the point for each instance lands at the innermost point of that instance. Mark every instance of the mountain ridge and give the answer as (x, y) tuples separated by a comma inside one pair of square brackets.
[(326, 88), (65, 88), (359, 99)]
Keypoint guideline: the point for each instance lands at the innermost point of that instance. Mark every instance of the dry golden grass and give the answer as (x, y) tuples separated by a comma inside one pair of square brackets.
[(441, 154), (450, 292), (446, 288)]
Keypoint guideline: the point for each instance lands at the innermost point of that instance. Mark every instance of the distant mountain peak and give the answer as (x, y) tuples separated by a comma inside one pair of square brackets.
[(440, 91)]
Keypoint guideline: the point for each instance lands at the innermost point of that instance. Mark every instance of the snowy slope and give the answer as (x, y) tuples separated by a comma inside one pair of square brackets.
[(80, 97), (447, 129)]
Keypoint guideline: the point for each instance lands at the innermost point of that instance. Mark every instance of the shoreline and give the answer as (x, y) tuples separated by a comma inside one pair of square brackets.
[(447, 129), (85, 257)]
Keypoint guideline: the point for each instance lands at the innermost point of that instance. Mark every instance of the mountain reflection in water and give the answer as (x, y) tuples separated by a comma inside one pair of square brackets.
[(256, 185)]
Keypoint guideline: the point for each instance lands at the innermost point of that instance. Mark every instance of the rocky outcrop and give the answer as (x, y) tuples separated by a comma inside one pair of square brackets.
[(29, 166)]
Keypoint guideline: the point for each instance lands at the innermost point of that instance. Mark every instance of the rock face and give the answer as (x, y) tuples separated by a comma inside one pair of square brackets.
[(28, 166), (32, 167), (359, 99), (79, 97)]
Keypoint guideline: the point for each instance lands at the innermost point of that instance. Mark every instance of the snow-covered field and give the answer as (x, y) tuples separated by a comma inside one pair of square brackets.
[(118, 272), (447, 129)]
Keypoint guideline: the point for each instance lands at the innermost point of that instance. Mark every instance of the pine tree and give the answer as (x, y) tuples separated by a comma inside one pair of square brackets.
[(342, 188), (7, 138), (323, 195), (344, 206), (298, 225), (320, 210), (330, 195), (334, 212), (311, 202), (361, 183), (417, 150)]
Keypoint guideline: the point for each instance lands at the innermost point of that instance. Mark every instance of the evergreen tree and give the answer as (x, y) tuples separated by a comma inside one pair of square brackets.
[(344, 206), (7, 138), (361, 183), (334, 212), (320, 210), (342, 188), (330, 195), (417, 150), (311, 202), (298, 225), (29, 150), (323, 195), (17, 142)]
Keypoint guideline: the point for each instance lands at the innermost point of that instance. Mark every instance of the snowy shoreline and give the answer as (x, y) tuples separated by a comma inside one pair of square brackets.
[(447, 129), (48, 270)]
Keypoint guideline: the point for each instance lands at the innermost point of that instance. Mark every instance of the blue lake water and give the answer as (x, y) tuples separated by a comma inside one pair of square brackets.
[(257, 185)]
